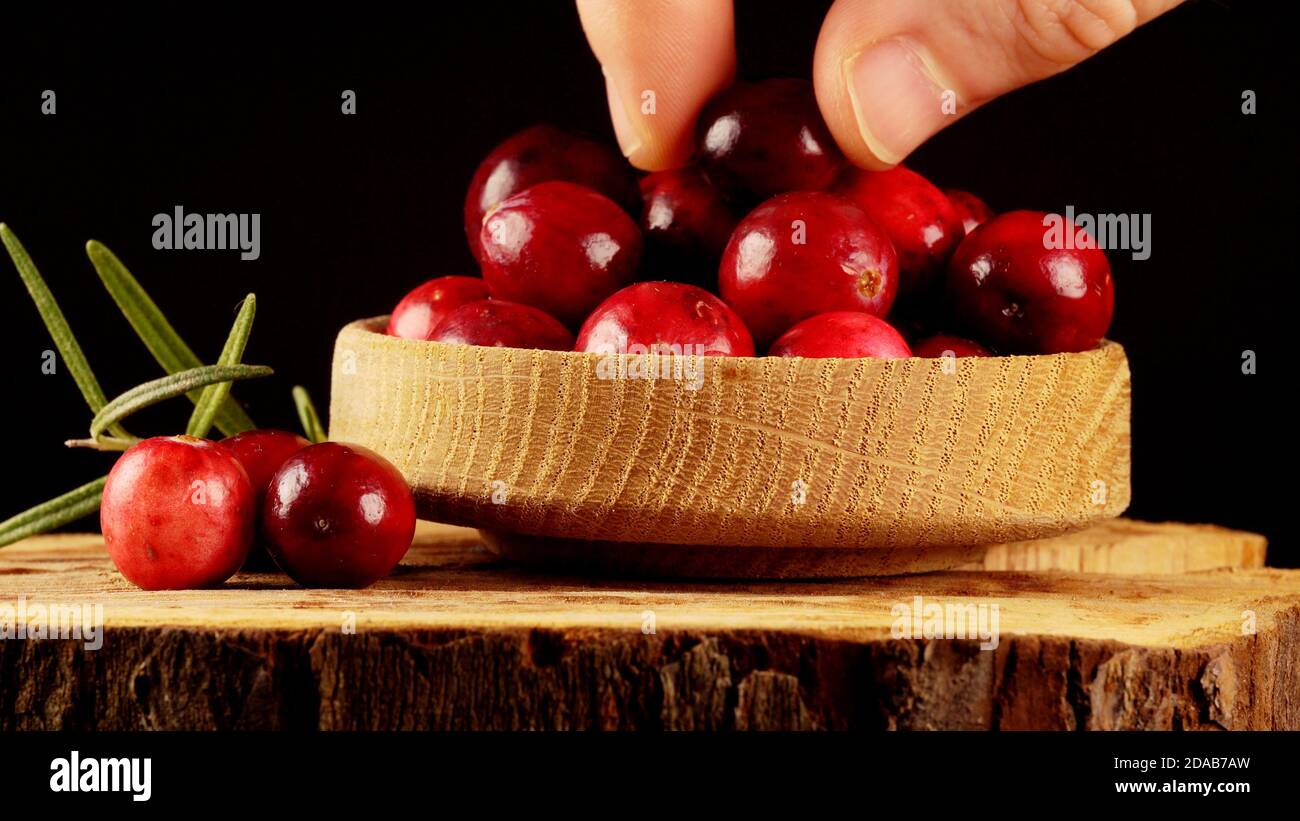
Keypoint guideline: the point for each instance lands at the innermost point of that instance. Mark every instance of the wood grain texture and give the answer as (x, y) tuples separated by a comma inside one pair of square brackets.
[(1125, 546), (456, 640), (894, 453)]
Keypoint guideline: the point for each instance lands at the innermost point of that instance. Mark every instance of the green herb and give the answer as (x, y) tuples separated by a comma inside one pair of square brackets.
[(307, 415), (105, 443), (207, 386), (156, 332), (168, 387), (56, 512), (57, 325), (214, 396)]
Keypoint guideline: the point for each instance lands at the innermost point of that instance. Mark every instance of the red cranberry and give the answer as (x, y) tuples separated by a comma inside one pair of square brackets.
[(559, 247), (423, 308), (540, 154), (919, 219), (686, 222), (941, 344), (1009, 289), (178, 513), (496, 323), (973, 211), (802, 254), (665, 316), (760, 139), (261, 452), (844, 335), (338, 515)]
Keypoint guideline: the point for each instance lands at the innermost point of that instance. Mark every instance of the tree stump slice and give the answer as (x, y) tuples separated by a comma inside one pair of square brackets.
[(456, 639)]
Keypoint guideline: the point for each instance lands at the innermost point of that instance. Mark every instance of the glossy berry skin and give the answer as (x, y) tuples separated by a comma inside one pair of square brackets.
[(495, 323), (1010, 291), (919, 219), (261, 452), (940, 344), (686, 222), (427, 304), (178, 513), (973, 211), (761, 139), (802, 254), (665, 316), (338, 515), (543, 153), (559, 247), (844, 335)]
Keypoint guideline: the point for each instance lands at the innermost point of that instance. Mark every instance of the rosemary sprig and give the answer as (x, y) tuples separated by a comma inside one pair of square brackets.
[(214, 396), (69, 349), (156, 332), (56, 512), (168, 387), (307, 415), (104, 443)]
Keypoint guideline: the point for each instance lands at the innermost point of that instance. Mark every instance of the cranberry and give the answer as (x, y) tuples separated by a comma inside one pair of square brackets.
[(686, 222), (760, 139), (496, 323), (802, 254), (423, 308), (540, 154), (338, 515), (559, 247), (668, 317), (941, 344), (919, 219), (1009, 289), (261, 452), (973, 211), (178, 513), (842, 334)]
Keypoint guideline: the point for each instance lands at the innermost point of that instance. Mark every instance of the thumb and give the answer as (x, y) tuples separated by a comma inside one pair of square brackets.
[(663, 60), (889, 75)]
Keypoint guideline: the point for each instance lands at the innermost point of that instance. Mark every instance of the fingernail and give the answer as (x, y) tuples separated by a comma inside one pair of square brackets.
[(629, 136), (896, 99)]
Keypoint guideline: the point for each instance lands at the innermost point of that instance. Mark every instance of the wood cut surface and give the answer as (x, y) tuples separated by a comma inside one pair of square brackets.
[(1132, 547), (457, 640), (771, 451)]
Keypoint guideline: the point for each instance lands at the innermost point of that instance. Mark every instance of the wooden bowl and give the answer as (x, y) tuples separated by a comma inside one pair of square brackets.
[(901, 455)]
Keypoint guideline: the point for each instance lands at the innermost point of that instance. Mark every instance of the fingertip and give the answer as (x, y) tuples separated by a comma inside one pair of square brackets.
[(662, 61), (875, 87)]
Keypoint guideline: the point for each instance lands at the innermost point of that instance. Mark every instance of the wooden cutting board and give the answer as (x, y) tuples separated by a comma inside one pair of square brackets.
[(455, 639)]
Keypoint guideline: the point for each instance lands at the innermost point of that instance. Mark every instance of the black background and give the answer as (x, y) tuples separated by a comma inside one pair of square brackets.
[(230, 111), (713, 773)]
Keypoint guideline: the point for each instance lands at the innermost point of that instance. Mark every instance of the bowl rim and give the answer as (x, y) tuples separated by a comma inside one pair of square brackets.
[(376, 325)]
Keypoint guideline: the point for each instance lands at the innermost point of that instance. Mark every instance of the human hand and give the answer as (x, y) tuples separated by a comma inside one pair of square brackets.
[(888, 73)]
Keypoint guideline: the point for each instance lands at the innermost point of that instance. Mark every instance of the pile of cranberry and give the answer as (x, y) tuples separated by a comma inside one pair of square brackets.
[(770, 242)]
